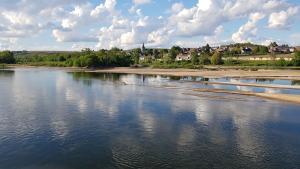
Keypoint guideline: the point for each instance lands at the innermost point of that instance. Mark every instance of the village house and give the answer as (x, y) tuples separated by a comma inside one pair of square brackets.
[(246, 51), (279, 49), (183, 57)]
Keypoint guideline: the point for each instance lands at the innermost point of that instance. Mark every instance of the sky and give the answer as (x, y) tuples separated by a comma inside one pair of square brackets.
[(64, 25)]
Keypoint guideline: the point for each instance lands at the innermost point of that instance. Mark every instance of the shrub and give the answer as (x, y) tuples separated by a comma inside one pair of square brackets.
[(7, 57), (216, 59)]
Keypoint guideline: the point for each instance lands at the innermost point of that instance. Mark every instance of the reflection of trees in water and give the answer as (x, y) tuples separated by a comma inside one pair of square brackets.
[(87, 77), (7, 73), (295, 82), (265, 80)]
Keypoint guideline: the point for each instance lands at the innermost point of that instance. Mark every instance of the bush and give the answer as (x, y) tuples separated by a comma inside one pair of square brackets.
[(7, 57), (204, 59), (296, 60), (216, 59)]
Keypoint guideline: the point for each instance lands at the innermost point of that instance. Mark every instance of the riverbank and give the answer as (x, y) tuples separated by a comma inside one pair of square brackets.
[(233, 73)]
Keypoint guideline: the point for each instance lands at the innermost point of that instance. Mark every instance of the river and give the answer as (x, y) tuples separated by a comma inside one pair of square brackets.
[(53, 119)]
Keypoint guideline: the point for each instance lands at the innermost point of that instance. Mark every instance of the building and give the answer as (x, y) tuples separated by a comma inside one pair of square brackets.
[(143, 50), (183, 57), (280, 49), (297, 48), (246, 51)]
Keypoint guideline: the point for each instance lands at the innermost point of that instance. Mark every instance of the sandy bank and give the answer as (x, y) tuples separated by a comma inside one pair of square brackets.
[(274, 74), (280, 97)]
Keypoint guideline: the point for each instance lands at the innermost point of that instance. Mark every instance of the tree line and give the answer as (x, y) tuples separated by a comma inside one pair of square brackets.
[(120, 58)]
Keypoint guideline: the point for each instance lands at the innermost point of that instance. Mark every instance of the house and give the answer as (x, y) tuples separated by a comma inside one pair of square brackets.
[(246, 51), (297, 48), (182, 57), (292, 49), (280, 49)]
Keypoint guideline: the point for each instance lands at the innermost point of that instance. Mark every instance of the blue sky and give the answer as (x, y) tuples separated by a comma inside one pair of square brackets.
[(97, 24)]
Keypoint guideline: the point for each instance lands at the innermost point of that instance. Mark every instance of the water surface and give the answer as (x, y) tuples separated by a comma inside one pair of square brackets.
[(54, 119)]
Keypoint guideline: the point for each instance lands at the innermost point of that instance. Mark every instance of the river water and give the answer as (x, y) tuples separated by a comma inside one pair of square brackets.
[(52, 119)]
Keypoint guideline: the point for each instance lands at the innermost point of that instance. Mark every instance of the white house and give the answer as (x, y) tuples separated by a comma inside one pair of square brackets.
[(182, 57)]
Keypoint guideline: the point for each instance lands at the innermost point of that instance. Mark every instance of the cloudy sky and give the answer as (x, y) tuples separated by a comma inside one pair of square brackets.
[(97, 24)]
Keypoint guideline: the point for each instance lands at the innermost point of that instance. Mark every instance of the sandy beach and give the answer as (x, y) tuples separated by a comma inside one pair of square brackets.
[(272, 74), (261, 73), (280, 97)]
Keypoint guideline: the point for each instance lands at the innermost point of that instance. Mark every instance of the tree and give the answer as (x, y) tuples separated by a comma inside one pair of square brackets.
[(296, 60), (7, 57), (167, 59), (195, 59), (204, 59), (273, 44), (206, 49), (263, 50), (174, 51), (156, 53), (216, 58), (136, 55)]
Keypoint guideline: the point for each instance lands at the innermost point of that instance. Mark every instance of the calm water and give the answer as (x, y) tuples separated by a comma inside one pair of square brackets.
[(51, 119)]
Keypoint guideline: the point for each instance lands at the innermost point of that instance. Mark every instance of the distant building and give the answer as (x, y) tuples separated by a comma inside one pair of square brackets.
[(279, 49), (183, 57), (297, 48), (143, 49), (246, 51), (292, 49)]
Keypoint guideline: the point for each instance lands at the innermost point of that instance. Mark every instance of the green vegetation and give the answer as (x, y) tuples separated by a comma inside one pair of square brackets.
[(174, 51), (296, 60), (86, 58), (7, 57), (216, 58), (195, 58)]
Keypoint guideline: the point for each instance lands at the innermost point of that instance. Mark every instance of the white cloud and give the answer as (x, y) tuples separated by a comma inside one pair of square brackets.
[(204, 5), (72, 36), (249, 30), (108, 24), (282, 19), (140, 2)]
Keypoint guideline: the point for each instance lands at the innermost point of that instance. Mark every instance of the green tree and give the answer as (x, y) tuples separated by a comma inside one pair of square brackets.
[(167, 59), (296, 60), (195, 58), (263, 50), (206, 49), (174, 51), (136, 55), (7, 57), (204, 59), (216, 58), (156, 53)]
